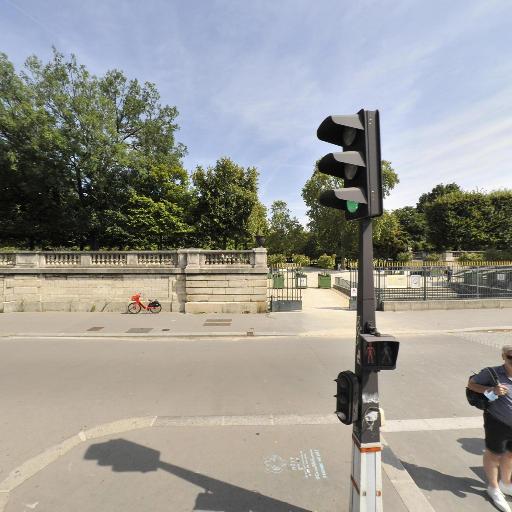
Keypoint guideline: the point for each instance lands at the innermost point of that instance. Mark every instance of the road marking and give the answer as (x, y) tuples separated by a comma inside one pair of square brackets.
[(405, 486), (428, 424), (262, 420), (32, 466)]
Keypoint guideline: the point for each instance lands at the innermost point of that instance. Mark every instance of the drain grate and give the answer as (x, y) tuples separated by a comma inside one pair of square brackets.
[(95, 328), (220, 322), (140, 329)]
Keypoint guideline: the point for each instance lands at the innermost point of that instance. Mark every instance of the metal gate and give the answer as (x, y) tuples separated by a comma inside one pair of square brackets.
[(284, 287)]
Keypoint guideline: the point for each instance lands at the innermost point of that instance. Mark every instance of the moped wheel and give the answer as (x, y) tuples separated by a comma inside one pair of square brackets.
[(155, 309), (133, 308)]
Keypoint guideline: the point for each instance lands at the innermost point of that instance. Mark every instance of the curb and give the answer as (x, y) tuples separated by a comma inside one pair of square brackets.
[(241, 334), (198, 334)]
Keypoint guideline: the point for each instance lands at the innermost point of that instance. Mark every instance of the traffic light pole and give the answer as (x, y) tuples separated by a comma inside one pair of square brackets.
[(366, 475)]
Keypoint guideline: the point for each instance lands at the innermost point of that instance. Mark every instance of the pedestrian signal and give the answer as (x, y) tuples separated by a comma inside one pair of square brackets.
[(378, 352)]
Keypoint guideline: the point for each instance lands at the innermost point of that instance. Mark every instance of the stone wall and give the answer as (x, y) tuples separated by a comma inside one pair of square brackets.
[(188, 280)]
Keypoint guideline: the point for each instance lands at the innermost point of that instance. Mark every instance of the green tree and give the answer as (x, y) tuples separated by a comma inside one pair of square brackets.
[(286, 233), (36, 206), (437, 191), (329, 229), (414, 227), (388, 237), (258, 223), (226, 195), (460, 221), (499, 224), (100, 140)]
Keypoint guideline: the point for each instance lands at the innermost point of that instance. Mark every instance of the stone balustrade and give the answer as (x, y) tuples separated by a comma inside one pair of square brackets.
[(181, 258), (186, 280)]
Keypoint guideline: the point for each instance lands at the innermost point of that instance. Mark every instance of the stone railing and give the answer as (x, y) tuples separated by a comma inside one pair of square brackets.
[(7, 260), (208, 258), (185, 280), (187, 259)]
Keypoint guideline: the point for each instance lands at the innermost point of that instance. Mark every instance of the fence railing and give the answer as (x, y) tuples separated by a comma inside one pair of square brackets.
[(352, 264), (446, 282), (181, 258), (285, 282)]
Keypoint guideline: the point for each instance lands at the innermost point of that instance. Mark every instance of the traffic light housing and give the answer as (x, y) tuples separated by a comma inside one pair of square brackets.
[(347, 397), (359, 165), (378, 352)]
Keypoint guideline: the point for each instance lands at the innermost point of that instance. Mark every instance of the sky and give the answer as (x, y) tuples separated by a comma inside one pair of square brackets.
[(252, 80)]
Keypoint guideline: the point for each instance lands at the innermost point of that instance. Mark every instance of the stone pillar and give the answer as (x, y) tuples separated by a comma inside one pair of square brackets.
[(132, 260), (260, 257), (27, 260), (192, 258), (85, 260)]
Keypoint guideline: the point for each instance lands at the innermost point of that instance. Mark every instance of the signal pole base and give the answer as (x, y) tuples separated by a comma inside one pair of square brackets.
[(366, 477)]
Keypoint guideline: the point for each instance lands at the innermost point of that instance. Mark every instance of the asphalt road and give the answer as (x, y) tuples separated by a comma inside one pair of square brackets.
[(52, 389)]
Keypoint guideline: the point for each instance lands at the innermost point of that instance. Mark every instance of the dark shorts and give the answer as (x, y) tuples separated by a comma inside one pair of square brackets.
[(498, 436)]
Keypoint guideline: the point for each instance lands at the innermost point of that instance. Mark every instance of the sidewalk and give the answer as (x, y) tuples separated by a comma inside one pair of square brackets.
[(325, 313), (293, 468)]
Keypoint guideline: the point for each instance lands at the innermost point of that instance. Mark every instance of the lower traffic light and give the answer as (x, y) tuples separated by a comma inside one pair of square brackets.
[(347, 397)]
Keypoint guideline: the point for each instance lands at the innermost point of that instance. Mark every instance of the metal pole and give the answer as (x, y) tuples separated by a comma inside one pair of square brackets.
[(366, 476)]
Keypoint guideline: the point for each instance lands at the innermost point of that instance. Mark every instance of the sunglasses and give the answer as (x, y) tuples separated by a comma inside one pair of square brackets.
[(509, 357)]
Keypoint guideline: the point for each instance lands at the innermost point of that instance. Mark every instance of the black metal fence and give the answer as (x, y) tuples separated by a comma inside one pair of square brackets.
[(435, 282), (284, 289)]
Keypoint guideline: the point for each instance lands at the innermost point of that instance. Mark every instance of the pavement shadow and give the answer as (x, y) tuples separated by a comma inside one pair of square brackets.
[(432, 480), (473, 445), (123, 455)]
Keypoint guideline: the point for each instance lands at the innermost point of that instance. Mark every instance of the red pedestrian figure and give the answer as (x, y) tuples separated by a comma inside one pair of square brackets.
[(370, 354)]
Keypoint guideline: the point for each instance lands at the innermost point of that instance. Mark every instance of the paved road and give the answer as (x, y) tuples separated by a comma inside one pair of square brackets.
[(263, 409), (169, 412)]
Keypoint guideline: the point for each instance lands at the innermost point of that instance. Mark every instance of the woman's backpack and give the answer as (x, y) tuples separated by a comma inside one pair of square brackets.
[(479, 400)]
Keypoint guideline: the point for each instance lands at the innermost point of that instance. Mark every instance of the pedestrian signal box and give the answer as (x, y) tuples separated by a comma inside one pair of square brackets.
[(347, 398), (378, 352)]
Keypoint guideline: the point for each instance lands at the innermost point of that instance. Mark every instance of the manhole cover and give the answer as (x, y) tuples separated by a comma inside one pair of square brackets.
[(140, 329), (95, 328)]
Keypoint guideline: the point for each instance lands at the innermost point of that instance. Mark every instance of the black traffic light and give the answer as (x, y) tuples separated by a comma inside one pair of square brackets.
[(378, 352), (358, 165), (347, 397)]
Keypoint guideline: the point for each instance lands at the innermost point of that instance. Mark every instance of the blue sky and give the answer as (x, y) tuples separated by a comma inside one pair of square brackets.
[(252, 80)]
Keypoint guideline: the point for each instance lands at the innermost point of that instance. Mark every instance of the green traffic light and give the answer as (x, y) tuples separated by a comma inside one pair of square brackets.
[(352, 206)]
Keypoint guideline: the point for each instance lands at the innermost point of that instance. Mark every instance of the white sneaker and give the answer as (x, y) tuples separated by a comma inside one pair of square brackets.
[(505, 488), (498, 499)]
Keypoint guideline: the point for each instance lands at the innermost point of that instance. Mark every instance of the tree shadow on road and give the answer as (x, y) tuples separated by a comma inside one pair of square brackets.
[(123, 455)]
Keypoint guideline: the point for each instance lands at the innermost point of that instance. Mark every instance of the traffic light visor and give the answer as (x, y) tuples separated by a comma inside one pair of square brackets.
[(341, 165), (340, 130)]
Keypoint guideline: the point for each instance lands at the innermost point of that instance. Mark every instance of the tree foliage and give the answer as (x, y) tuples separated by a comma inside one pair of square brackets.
[(77, 150), (388, 236), (329, 230), (227, 206), (286, 233), (414, 227), (470, 220), (436, 192)]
